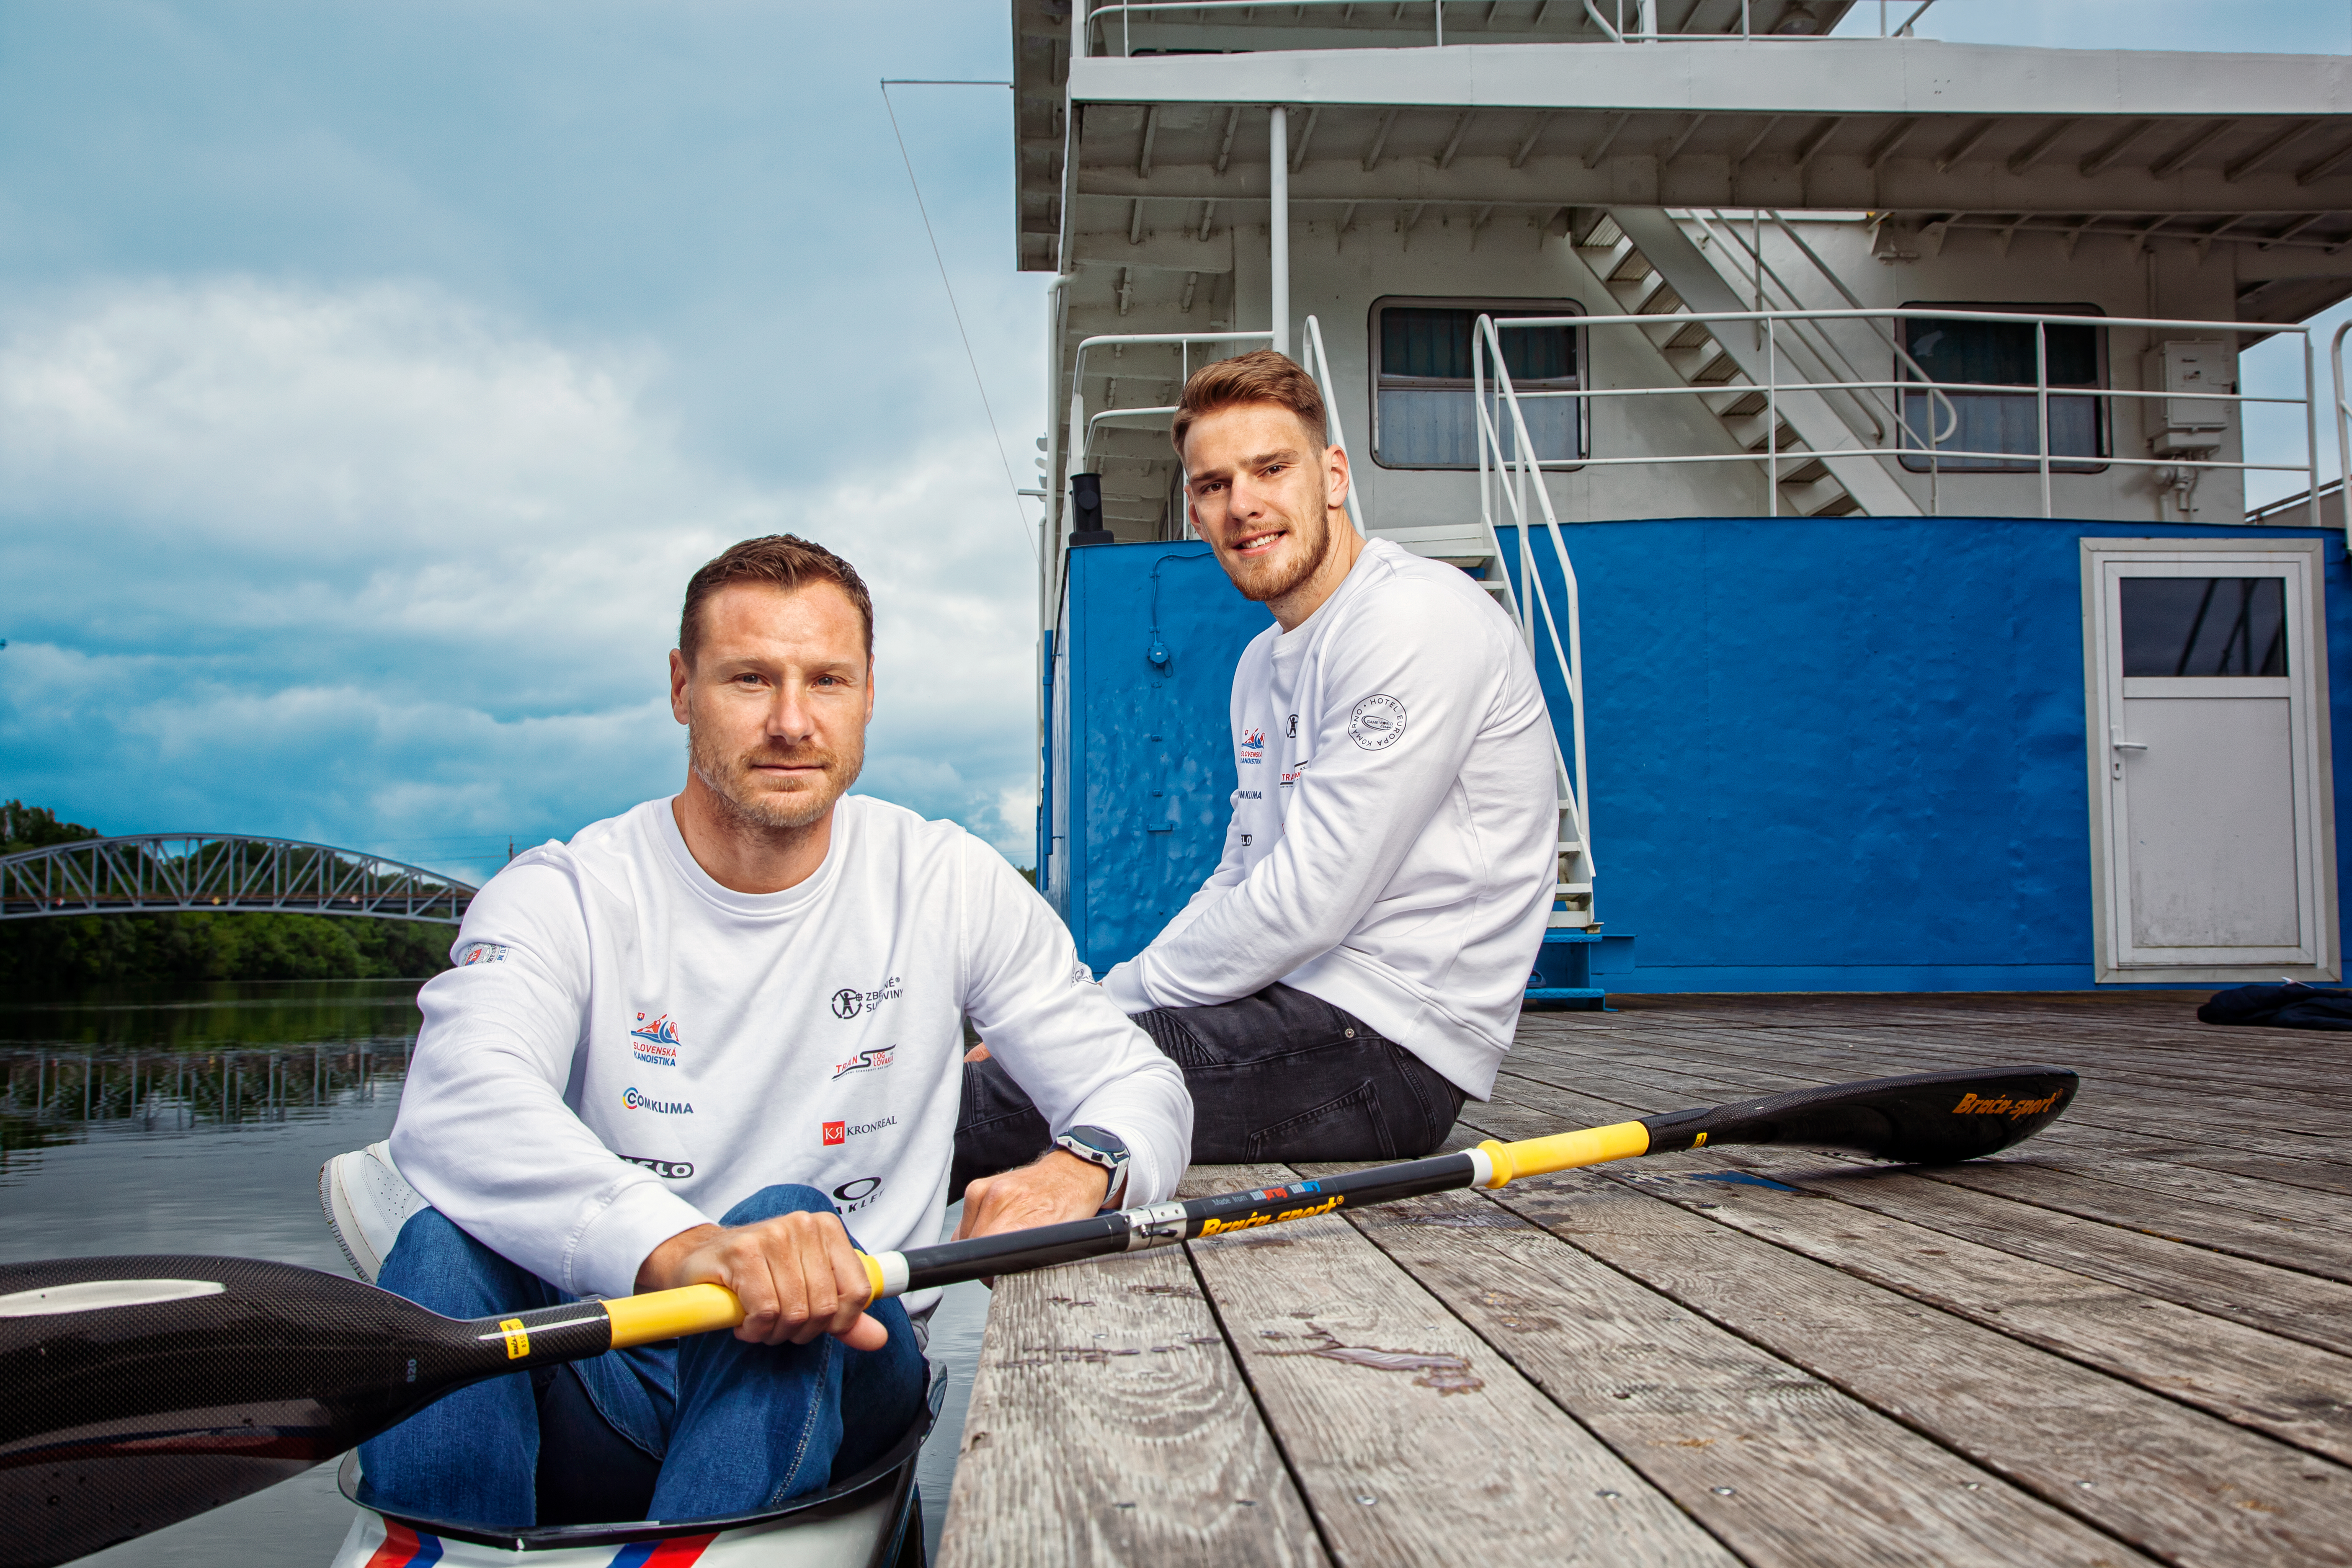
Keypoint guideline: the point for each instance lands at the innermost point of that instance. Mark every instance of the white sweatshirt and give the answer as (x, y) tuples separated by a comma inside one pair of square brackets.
[(626, 1049), (1392, 849)]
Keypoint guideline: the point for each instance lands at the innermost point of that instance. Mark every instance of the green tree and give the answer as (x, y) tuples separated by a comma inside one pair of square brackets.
[(25, 826)]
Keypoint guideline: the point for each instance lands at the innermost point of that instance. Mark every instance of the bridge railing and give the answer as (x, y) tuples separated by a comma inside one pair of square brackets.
[(202, 871)]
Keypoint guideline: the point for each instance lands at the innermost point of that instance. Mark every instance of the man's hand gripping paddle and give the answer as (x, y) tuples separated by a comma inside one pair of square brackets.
[(135, 1392)]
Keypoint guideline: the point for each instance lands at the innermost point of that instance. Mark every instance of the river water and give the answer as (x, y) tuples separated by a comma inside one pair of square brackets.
[(193, 1119)]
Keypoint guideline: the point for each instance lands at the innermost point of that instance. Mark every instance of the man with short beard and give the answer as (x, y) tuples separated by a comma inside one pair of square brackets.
[(689, 1044), (1354, 966)]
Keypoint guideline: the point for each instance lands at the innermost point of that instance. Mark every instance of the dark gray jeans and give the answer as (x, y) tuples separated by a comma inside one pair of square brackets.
[(1277, 1075)]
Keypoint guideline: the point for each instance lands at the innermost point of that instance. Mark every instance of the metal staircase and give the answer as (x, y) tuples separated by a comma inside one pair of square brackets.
[(1648, 261)]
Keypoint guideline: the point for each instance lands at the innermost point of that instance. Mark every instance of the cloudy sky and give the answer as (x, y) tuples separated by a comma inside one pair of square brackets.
[(373, 376)]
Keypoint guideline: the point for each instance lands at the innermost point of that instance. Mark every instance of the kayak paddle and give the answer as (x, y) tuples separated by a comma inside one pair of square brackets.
[(136, 1391)]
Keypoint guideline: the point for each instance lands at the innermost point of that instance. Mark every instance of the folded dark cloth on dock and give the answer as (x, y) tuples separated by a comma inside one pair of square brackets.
[(2290, 1005)]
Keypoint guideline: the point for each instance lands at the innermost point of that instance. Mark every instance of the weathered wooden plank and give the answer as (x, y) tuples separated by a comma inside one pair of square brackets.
[(1109, 1424), (1413, 1440), (2179, 1483), (2203, 1206), (2094, 1117), (1783, 1468), (2313, 1244), (1733, 1052), (2314, 1311), (2291, 1391), (2275, 1300), (2136, 1035)]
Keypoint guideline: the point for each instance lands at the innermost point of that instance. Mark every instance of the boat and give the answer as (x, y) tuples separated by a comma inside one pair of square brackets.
[(1853, 423), (873, 1519)]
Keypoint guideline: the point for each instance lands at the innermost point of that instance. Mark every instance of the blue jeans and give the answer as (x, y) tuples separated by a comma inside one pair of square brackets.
[(732, 1427)]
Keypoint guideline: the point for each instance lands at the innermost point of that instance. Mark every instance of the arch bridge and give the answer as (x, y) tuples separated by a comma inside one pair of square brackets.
[(163, 872)]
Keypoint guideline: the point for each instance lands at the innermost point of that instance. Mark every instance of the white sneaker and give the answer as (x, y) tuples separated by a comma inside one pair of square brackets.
[(366, 1203)]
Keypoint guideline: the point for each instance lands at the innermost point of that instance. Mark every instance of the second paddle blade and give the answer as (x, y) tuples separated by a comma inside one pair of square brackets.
[(1924, 1118), (136, 1391)]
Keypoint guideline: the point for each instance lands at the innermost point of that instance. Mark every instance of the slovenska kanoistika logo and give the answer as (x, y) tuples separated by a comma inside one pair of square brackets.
[(655, 1041)]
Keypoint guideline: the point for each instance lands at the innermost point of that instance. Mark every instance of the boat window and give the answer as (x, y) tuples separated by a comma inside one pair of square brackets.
[(1423, 407), (2204, 625), (1974, 433)]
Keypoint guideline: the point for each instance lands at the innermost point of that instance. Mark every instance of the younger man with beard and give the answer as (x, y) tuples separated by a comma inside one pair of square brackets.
[(1354, 966), (684, 1045)]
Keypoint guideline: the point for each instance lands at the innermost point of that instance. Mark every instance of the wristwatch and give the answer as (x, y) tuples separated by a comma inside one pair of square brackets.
[(1100, 1146)]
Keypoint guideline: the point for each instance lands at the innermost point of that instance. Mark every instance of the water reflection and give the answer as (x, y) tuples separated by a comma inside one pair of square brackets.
[(190, 1060)]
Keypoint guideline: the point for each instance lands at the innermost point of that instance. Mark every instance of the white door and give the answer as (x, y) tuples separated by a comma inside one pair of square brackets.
[(2210, 792)]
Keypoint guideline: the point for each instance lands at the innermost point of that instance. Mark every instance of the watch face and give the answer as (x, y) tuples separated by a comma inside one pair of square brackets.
[(1098, 1139)]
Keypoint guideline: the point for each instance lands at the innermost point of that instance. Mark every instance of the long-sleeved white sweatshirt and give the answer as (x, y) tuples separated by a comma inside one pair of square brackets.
[(1392, 849), (626, 1049)]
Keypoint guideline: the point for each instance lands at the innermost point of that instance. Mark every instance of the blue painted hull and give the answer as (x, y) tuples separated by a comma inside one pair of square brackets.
[(1836, 755)]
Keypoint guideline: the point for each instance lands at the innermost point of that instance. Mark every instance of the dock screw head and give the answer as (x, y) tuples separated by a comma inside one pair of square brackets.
[(1727, 1492)]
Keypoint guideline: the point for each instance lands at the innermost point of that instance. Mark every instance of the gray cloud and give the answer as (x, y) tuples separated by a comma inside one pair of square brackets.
[(372, 564)]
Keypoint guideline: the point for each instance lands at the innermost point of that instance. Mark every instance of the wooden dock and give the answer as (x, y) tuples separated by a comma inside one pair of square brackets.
[(2128, 1340)]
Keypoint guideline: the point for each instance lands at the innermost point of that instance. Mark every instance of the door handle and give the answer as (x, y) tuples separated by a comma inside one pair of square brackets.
[(2128, 745)]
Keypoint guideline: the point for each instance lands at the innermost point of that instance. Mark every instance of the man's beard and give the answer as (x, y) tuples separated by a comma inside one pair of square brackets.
[(735, 786), (1267, 580)]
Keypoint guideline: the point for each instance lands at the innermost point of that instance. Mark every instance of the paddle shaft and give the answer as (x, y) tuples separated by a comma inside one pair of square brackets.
[(1926, 1116)]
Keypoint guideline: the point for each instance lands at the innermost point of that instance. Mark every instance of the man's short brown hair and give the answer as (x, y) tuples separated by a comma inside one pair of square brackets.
[(781, 561), (1261, 376)]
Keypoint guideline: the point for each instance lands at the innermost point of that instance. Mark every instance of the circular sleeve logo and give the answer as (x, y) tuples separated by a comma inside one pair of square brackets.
[(1377, 722)]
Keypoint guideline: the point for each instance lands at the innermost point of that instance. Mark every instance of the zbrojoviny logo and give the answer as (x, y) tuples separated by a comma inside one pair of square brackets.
[(633, 1101)]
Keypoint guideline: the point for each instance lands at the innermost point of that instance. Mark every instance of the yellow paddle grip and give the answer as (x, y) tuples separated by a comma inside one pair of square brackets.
[(1566, 1151), (666, 1314), (692, 1309)]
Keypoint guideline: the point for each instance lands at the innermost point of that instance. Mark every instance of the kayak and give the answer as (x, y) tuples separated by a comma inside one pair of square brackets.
[(871, 1520)]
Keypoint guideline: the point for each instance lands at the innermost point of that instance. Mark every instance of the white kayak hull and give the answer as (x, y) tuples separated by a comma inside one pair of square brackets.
[(862, 1537), (871, 1520)]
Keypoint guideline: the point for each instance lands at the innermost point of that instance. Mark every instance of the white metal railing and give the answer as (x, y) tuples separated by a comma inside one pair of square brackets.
[(1640, 27), (2343, 433), (1781, 328), (1504, 471), (1318, 366)]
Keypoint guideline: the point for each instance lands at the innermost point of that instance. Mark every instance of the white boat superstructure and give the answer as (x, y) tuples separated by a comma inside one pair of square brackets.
[(1763, 273)]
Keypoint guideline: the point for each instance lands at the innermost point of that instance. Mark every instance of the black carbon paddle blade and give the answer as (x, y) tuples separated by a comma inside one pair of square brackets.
[(137, 1392), (1922, 1118)]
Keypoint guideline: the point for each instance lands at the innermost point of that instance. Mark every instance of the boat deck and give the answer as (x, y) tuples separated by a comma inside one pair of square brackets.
[(2129, 1340)]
